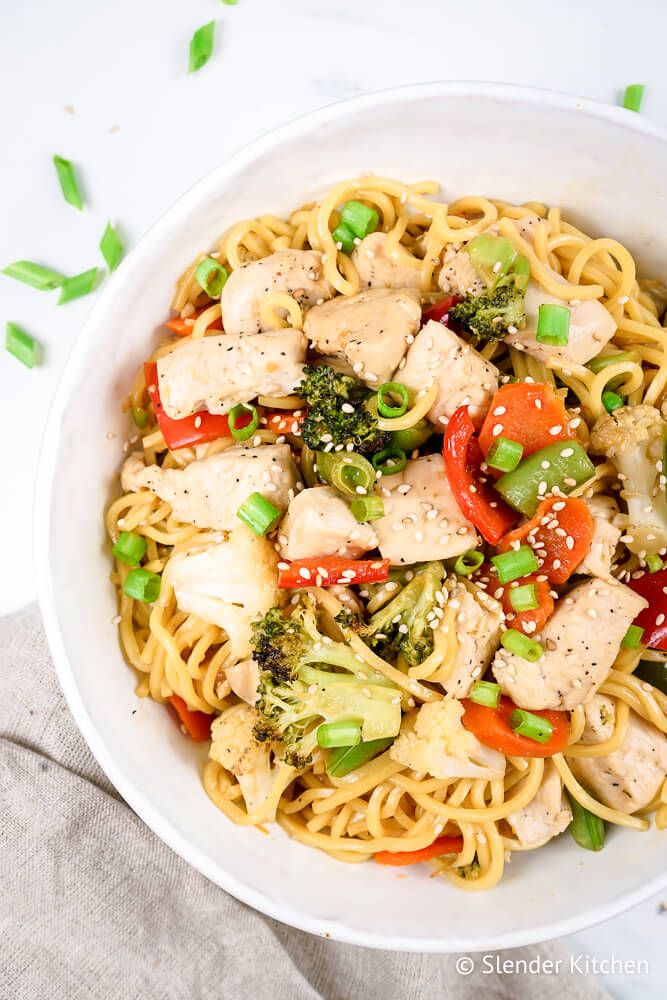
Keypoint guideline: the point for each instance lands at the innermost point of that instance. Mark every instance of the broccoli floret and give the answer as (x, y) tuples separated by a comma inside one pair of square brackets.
[(306, 678), (488, 317), (633, 437), (331, 424)]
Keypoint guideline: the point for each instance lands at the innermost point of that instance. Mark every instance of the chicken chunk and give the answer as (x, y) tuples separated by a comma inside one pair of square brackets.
[(371, 331), (580, 642), (380, 267), (218, 372), (545, 816), (299, 273), (243, 679), (630, 777), (320, 523), (208, 492), (478, 626), (606, 535), (462, 375), (229, 583), (458, 275), (422, 520)]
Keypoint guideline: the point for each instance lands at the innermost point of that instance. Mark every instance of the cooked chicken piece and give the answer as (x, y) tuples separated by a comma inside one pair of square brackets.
[(320, 523), (422, 520), (379, 267), (598, 560), (208, 492), (545, 816), (580, 642), (630, 777), (459, 277), (218, 372), (371, 331), (229, 583), (299, 273), (478, 620), (463, 376), (243, 678)]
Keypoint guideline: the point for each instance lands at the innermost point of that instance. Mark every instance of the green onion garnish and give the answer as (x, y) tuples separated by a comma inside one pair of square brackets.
[(390, 409), (68, 181), (485, 693), (524, 598), (338, 734), (111, 247), (633, 96), (211, 276), (469, 562), (139, 416), (412, 437), (142, 585), (605, 360), (587, 829), (43, 278), (242, 433), (343, 760), (389, 461), (24, 347), (345, 237), (367, 508), (504, 454), (79, 285), (534, 727), (201, 46), (514, 564), (130, 548), (611, 400), (259, 514), (516, 642), (633, 637), (553, 324), (359, 219), (654, 563), (350, 473)]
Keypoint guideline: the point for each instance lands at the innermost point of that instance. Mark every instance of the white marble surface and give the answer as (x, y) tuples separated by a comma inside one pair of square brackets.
[(143, 131)]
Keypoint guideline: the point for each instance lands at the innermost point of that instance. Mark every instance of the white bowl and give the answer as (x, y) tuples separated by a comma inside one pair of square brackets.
[(608, 169)]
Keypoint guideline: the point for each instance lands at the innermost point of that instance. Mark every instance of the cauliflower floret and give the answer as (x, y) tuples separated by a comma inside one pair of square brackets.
[(243, 678), (235, 747), (434, 740), (633, 437)]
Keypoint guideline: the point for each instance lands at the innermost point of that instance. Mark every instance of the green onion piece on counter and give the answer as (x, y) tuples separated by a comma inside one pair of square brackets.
[(345, 237), (553, 325), (230, 3), (348, 472), (236, 412), (468, 562), (389, 460), (130, 548), (43, 278), (68, 182), (504, 454), (611, 400), (633, 637), (516, 642), (524, 598), (389, 408), (339, 734), (79, 285), (633, 96), (587, 829), (139, 416), (111, 247), (343, 760), (564, 464), (201, 46), (211, 277), (515, 563), (654, 673), (258, 514), (367, 508), (24, 347), (654, 563), (534, 727), (604, 361), (412, 437), (359, 219), (142, 585), (485, 693)]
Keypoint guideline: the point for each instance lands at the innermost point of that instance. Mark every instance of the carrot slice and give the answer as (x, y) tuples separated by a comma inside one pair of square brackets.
[(531, 413), (183, 327), (284, 421), (443, 845), (560, 532), (324, 571), (197, 724), (492, 727)]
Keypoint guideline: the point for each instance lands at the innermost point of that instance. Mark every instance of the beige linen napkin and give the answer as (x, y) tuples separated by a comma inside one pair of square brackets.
[(93, 906)]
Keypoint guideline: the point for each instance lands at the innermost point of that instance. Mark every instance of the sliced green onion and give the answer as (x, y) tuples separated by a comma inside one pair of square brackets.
[(633, 637), (142, 585), (111, 247), (412, 437), (259, 514), (611, 400), (534, 727), (469, 562), (130, 548), (504, 454), (485, 693), (24, 347), (68, 182), (359, 219), (515, 563), (339, 734), (524, 598), (242, 433), (604, 361), (211, 276), (343, 760), (516, 642), (633, 96), (344, 236), (564, 464), (389, 461), (139, 416), (348, 472), (43, 278), (79, 285), (230, 3), (587, 829), (367, 508), (654, 563), (389, 409), (553, 324), (201, 46)]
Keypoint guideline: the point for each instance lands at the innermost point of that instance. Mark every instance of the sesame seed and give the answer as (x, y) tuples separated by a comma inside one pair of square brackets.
[(556, 429), (304, 573), (498, 429)]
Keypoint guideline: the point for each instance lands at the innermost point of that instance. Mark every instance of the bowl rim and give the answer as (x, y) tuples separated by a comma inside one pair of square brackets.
[(47, 467)]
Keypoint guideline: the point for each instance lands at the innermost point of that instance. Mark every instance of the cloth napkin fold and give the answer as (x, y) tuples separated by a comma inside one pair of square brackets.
[(94, 907)]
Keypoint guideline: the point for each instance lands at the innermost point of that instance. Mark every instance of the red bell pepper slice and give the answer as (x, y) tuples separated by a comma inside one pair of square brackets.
[(183, 327), (492, 727), (324, 571), (563, 552), (197, 724), (439, 311), (443, 845), (527, 412), (474, 495), (652, 586)]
